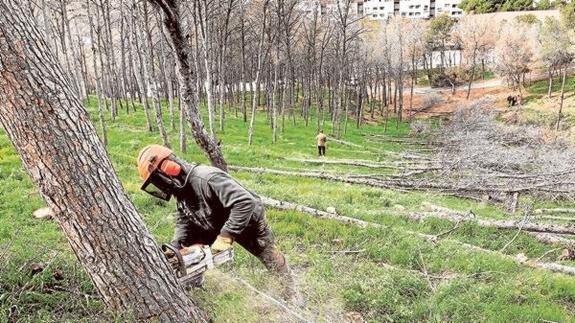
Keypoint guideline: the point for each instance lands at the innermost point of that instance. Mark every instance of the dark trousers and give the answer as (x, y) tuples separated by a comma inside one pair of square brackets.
[(321, 150)]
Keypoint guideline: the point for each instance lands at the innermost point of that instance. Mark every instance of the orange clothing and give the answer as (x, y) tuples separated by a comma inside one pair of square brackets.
[(321, 139)]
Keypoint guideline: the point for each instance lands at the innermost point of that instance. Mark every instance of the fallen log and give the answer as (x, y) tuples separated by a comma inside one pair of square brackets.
[(402, 184), (553, 267), (369, 182), (546, 211), (549, 238), (362, 163), (534, 229), (402, 142), (282, 205), (551, 217), (498, 224), (343, 142)]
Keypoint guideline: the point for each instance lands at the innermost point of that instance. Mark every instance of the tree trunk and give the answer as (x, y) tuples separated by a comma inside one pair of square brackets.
[(150, 71), (140, 75), (182, 51), (128, 270), (564, 72), (472, 76), (550, 87), (98, 79), (255, 97)]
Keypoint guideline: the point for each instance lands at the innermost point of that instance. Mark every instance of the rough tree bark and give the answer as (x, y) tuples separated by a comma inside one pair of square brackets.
[(170, 8), (101, 224)]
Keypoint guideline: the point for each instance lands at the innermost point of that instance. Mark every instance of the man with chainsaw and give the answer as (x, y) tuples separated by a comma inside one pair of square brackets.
[(212, 207)]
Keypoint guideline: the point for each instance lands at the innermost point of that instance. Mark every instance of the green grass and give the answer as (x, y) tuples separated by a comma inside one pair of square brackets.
[(480, 287), (538, 89)]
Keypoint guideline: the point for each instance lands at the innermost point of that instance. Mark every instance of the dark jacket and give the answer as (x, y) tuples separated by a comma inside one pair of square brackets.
[(211, 203)]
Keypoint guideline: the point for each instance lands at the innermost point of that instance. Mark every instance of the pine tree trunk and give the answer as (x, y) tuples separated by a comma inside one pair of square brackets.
[(140, 77), (260, 54), (98, 79), (128, 270), (559, 115), (150, 71), (182, 51)]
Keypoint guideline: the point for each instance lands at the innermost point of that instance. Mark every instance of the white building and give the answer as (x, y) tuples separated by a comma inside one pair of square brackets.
[(379, 9), (449, 7), (384, 9)]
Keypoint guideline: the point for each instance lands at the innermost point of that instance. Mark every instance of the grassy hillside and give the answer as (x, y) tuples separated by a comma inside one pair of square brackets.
[(386, 274)]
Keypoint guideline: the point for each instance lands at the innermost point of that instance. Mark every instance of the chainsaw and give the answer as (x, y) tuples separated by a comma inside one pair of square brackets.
[(191, 262)]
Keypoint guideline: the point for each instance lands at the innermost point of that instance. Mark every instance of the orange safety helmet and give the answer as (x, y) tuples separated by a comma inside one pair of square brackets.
[(153, 157)]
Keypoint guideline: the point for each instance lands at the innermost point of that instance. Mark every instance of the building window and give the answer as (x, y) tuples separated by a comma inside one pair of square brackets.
[(374, 16), (381, 8), (411, 13), (382, 15)]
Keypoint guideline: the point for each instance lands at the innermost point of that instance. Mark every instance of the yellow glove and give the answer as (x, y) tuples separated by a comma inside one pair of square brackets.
[(222, 243)]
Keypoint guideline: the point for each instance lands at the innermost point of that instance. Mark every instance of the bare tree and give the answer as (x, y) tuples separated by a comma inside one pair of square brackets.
[(515, 53), (476, 36)]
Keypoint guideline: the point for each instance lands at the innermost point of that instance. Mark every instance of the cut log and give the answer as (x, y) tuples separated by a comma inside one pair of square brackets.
[(547, 211), (549, 238), (551, 217), (282, 205), (499, 224), (343, 142), (553, 267), (405, 184), (361, 163)]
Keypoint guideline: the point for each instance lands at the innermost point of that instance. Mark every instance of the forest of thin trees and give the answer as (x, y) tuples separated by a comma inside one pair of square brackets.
[(289, 58)]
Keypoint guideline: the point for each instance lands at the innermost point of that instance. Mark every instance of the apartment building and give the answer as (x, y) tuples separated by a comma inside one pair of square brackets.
[(384, 9), (449, 7)]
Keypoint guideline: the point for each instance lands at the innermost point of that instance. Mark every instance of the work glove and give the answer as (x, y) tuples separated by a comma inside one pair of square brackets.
[(222, 243)]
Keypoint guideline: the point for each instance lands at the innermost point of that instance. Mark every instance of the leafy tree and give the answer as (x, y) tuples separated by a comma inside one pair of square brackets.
[(568, 15), (517, 5), (439, 35), (481, 6), (545, 5), (528, 18)]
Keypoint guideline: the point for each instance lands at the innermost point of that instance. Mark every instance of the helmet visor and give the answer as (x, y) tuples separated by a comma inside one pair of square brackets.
[(158, 186)]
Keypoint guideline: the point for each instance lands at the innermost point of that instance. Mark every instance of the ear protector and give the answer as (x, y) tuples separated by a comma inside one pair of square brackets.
[(170, 168)]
